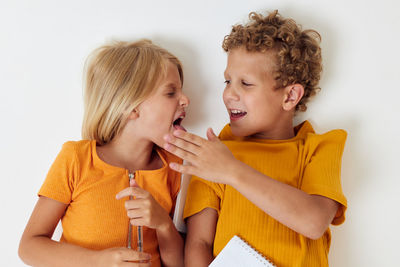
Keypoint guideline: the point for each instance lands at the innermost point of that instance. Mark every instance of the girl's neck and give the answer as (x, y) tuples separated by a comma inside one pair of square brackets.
[(130, 154)]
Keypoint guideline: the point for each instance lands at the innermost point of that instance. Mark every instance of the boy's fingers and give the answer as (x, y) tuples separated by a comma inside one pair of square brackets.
[(132, 191), (189, 137), (185, 169), (183, 144), (211, 135), (183, 154)]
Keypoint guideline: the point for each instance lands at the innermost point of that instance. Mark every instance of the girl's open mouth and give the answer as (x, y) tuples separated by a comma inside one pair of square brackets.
[(177, 123)]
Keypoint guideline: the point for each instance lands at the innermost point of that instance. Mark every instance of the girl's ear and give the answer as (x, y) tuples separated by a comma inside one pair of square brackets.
[(134, 114), (293, 94)]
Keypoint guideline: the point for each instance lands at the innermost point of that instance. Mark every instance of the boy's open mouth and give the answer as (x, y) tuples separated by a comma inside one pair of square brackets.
[(177, 123), (236, 114)]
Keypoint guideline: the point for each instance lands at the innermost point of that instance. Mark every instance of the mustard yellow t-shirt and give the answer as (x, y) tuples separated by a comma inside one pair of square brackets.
[(309, 161), (94, 219)]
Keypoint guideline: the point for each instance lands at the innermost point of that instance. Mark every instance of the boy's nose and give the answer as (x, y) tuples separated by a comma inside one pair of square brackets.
[(230, 94), (184, 101)]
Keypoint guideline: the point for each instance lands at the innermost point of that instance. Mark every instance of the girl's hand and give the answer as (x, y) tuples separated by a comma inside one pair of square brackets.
[(209, 159), (115, 257), (144, 210)]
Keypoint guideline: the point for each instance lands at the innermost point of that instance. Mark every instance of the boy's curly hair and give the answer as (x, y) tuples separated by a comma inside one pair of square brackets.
[(298, 54)]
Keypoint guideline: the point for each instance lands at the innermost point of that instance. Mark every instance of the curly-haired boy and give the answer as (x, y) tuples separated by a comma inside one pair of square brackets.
[(274, 185)]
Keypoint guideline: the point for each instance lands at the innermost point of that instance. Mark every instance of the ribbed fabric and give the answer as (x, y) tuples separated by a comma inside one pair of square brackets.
[(94, 219), (309, 161)]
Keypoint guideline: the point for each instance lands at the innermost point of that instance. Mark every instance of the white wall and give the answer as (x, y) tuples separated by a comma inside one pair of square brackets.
[(44, 43)]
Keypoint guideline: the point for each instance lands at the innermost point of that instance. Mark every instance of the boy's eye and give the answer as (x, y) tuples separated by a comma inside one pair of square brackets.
[(227, 82)]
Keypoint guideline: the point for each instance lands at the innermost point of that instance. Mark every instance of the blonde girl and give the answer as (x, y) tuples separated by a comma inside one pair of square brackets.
[(118, 175)]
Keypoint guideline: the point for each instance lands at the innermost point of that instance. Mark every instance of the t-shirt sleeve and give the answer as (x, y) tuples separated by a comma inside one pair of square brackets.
[(202, 194), (323, 169), (59, 182)]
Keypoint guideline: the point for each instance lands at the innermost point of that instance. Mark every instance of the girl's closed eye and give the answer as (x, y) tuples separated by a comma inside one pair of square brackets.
[(246, 83), (171, 93)]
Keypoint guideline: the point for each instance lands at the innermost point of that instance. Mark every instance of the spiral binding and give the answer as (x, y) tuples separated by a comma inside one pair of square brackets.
[(251, 250)]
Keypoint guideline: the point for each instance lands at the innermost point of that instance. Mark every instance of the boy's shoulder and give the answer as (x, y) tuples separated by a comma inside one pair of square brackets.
[(304, 132)]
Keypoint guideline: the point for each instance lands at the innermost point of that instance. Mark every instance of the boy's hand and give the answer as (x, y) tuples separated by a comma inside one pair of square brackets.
[(122, 257), (209, 159), (144, 210)]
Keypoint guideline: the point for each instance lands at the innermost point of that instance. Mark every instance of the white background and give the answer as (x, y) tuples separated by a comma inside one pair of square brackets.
[(43, 45)]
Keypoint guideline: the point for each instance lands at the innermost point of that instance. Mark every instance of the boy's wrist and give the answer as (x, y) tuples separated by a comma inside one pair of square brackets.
[(236, 174)]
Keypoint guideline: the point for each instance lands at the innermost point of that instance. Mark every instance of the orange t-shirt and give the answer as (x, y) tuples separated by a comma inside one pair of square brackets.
[(308, 161), (95, 219)]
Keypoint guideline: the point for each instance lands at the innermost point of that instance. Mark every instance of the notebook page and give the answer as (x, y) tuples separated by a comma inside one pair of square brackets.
[(237, 253)]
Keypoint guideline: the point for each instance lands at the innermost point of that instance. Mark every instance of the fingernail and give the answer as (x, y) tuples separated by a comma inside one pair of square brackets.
[(172, 165), (167, 146)]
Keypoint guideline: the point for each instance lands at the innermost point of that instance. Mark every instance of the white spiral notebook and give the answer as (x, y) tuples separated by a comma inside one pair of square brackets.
[(237, 253)]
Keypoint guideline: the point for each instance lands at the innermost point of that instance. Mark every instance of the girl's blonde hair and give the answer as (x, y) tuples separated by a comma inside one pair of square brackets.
[(119, 77)]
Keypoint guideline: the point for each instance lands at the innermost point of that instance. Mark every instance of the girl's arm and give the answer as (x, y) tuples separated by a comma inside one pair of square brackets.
[(309, 215), (170, 243), (200, 238), (37, 249), (144, 210)]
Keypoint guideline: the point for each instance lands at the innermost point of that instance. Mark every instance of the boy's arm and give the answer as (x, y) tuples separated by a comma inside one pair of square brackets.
[(37, 249), (309, 215), (200, 238)]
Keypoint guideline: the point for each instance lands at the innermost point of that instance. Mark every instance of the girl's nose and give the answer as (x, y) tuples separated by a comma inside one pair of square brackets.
[(184, 101)]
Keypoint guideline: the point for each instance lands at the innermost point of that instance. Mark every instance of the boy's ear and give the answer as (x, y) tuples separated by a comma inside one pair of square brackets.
[(292, 96)]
